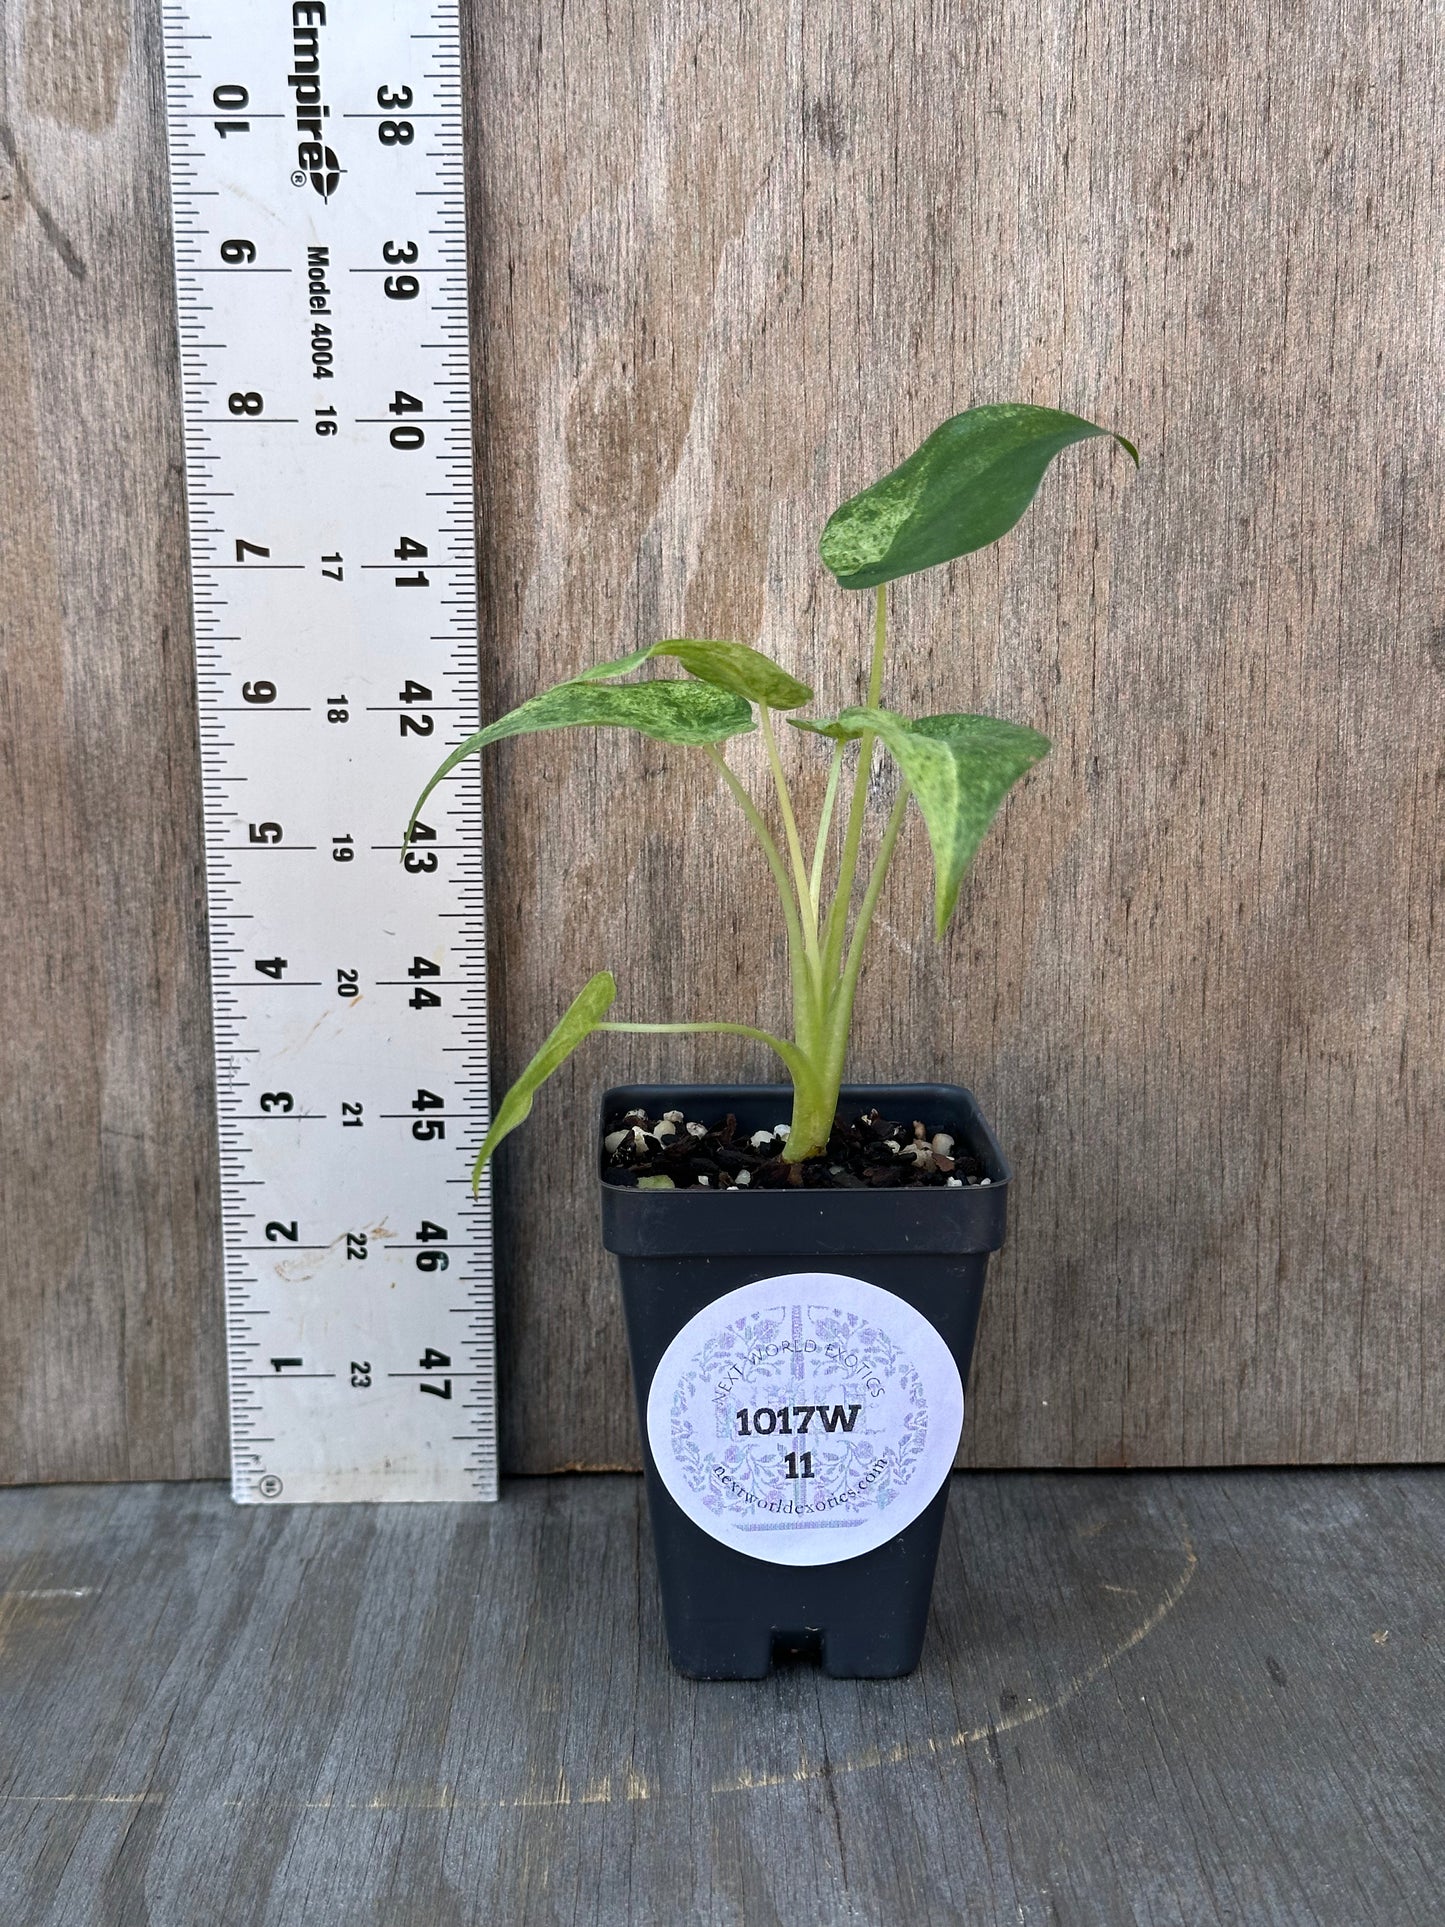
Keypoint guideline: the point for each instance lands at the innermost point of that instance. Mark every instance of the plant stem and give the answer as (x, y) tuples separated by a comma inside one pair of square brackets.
[(876, 880), (838, 1019), (807, 989), (822, 999), (825, 824), (848, 869), (790, 831)]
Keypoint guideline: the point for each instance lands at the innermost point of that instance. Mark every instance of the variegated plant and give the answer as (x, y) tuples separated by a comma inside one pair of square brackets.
[(967, 485)]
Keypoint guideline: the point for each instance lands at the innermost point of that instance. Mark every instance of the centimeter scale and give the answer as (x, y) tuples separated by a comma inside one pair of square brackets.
[(320, 240)]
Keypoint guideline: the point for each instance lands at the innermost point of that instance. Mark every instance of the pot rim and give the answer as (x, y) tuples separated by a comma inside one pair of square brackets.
[(921, 1221), (983, 1145)]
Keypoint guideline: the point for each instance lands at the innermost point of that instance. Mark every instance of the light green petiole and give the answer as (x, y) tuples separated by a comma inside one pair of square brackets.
[(790, 831), (807, 987), (876, 880), (824, 984), (835, 928), (825, 824)]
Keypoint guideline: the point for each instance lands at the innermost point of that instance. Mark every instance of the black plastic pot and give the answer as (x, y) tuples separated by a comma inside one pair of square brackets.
[(728, 1612)]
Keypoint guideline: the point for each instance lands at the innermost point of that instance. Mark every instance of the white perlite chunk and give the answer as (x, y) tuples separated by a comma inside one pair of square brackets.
[(933, 1154), (984, 1181), (760, 1138), (672, 1117), (743, 1177), (697, 1130), (614, 1141), (955, 1184), (666, 1129), (781, 1130), (703, 1178)]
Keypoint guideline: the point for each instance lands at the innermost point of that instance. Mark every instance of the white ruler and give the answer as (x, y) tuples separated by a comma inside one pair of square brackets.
[(320, 238)]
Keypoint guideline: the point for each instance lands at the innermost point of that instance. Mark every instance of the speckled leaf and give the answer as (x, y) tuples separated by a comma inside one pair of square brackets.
[(734, 666), (836, 731), (965, 487), (960, 769), (582, 1016), (619, 666), (673, 712)]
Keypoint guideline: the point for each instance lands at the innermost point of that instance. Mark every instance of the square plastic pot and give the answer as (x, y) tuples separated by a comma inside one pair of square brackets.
[(728, 1613)]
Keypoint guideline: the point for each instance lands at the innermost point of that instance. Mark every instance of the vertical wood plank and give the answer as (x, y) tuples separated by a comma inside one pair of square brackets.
[(734, 261), (730, 262), (111, 1347)]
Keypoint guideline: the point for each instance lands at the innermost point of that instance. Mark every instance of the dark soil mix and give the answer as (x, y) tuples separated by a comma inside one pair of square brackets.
[(674, 1152)]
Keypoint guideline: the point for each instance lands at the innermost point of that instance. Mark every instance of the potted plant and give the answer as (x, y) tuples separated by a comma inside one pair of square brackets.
[(799, 1356)]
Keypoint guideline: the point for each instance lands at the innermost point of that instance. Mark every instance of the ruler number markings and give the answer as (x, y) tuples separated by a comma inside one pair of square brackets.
[(316, 186)]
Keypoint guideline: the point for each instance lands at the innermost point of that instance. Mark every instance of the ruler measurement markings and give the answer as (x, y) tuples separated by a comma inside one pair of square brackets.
[(312, 654)]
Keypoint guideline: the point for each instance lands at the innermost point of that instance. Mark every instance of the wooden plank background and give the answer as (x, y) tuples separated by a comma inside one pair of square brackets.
[(730, 263)]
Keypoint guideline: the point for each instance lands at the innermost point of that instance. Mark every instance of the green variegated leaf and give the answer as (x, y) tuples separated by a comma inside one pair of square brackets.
[(619, 666), (965, 487), (737, 666), (960, 769), (836, 731), (734, 666), (582, 1016), (673, 712)]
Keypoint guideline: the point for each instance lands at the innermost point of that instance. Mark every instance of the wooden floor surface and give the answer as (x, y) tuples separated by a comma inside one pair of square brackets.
[(1147, 1699)]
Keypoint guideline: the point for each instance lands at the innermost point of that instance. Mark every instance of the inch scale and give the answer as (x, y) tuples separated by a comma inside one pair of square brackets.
[(320, 241)]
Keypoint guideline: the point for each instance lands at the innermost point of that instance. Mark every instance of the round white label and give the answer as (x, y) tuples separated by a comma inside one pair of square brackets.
[(805, 1419)]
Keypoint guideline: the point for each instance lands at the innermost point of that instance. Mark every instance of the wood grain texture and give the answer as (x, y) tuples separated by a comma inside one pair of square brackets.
[(735, 261), (730, 262), (111, 1337), (1151, 1700)]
